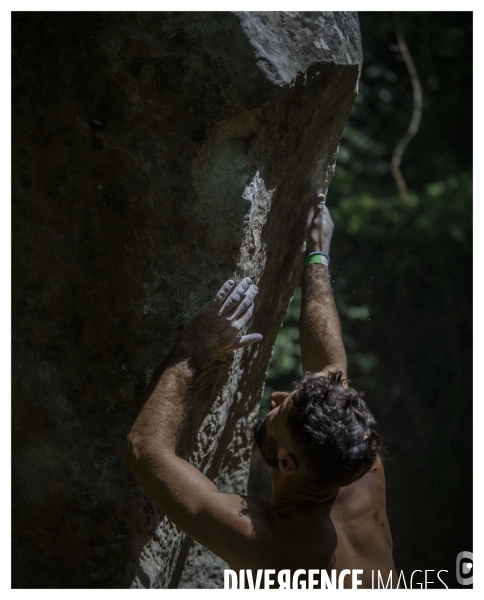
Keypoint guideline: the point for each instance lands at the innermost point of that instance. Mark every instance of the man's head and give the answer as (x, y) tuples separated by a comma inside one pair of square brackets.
[(326, 428)]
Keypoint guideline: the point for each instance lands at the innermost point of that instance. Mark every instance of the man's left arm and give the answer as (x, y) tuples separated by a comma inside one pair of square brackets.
[(219, 521)]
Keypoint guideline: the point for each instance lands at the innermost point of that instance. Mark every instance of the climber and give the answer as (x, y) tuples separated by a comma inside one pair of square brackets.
[(327, 509)]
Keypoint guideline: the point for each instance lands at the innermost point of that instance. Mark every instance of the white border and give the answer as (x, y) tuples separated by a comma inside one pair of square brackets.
[(110, 5)]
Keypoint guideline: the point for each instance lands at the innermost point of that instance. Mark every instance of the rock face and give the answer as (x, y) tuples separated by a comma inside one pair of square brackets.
[(155, 155)]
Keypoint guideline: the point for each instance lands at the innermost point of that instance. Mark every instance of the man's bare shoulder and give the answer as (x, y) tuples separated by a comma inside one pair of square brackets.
[(284, 541), (372, 482), (364, 496)]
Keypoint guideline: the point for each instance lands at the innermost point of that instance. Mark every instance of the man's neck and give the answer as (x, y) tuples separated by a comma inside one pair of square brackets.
[(289, 492)]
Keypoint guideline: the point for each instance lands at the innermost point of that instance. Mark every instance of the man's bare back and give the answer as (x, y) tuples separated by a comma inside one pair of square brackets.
[(360, 520)]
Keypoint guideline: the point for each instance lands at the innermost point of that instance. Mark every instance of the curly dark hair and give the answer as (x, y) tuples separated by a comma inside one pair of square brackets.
[(334, 429)]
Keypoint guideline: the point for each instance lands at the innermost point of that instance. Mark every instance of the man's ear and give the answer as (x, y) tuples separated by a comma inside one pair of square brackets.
[(287, 461)]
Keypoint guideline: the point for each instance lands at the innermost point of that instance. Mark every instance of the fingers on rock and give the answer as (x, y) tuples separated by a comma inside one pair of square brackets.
[(223, 291)]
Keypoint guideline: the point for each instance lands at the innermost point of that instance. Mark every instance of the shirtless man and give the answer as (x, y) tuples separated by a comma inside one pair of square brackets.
[(327, 509)]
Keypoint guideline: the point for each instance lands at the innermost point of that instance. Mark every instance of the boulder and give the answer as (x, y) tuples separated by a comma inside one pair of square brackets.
[(155, 155)]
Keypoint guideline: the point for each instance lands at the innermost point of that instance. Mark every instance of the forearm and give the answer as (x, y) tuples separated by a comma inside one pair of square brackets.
[(215, 328), (157, 427), (322, 346), (176, 486)]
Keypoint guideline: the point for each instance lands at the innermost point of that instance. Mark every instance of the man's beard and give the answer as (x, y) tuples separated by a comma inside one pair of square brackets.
[(267, 445)]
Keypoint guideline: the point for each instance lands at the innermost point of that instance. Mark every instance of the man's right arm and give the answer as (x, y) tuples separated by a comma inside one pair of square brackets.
[(322, 346)]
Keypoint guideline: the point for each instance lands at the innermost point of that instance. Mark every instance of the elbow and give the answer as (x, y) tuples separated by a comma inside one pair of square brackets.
[(141, 454)]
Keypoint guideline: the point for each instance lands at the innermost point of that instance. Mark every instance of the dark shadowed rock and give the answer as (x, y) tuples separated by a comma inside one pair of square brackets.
[(155, 155)]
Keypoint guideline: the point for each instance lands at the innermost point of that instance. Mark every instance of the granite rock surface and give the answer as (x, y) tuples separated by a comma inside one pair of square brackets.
[(155, 155)]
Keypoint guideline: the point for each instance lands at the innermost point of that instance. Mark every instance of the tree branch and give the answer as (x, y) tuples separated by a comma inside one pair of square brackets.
[(416, 114)]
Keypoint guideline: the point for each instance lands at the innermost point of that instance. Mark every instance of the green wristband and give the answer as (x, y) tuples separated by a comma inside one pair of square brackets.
[(315, 259)]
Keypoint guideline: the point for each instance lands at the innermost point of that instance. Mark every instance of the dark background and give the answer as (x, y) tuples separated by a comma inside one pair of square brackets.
[(403, 282)]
